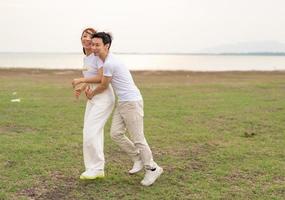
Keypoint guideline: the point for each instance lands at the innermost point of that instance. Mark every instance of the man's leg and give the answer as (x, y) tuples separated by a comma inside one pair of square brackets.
[(118, 130), (132, 113)]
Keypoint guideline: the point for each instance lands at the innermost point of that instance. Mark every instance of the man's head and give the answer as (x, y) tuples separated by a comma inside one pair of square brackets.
[(101, 43)]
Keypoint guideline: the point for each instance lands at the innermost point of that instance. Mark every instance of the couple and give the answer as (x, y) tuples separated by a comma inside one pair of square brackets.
[(102, 72)]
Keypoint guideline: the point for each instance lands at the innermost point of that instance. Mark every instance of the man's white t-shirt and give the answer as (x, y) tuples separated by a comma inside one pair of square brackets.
[(122, 80), (91, 64)]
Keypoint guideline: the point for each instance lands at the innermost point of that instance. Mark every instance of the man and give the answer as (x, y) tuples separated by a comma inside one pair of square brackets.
[(129, 110)]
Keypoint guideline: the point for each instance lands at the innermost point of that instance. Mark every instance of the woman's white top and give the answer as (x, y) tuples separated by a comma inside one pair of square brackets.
[(91, 65)]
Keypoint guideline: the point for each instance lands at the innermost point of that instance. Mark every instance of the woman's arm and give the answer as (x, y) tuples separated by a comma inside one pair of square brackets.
[(79, 89)]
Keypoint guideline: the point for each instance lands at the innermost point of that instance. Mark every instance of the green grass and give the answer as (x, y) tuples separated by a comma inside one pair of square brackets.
[(217, 136)]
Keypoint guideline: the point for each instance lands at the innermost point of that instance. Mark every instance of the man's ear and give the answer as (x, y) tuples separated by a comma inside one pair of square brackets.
[(107, 46)]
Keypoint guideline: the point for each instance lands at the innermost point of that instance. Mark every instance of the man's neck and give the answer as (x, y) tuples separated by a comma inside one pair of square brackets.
[(104, 56)]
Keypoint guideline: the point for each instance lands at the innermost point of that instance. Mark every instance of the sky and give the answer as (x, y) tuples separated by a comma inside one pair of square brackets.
[(157, 26)]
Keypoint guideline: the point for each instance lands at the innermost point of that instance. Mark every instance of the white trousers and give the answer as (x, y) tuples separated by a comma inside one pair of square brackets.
[(97, 112)]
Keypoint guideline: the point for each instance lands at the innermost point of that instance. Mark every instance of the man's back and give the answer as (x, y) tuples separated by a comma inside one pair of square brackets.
[(122, 80)]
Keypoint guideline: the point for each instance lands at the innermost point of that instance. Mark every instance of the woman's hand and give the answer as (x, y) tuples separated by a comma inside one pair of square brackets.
[(77, 93), (77, 81), (79, 89)]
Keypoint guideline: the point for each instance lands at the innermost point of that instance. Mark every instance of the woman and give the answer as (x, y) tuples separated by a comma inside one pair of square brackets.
[(98, 110)]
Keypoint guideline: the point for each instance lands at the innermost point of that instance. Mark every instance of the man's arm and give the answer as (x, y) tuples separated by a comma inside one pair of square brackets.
[(100, 88), (94, 79)]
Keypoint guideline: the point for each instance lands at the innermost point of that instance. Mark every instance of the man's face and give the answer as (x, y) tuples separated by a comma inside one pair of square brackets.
[(98, 47)]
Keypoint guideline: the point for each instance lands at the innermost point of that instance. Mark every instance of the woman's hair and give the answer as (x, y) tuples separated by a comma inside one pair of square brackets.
[(90, 31), (106, 38)]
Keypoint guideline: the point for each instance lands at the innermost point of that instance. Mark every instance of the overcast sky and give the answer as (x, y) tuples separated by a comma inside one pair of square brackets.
[(139, 26)]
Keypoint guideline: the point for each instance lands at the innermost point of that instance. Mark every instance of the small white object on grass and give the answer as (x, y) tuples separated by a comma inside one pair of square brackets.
[(14, 93), (15, 100)]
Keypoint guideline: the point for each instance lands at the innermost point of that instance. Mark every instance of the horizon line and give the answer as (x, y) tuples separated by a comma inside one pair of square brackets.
[(160, 53)]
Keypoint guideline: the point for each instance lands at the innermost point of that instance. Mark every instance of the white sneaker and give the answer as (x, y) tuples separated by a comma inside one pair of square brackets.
[(138, 166), (151, 176), (92, 174)]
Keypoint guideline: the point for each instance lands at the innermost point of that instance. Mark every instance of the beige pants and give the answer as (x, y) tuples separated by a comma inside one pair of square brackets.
[(129, 116)]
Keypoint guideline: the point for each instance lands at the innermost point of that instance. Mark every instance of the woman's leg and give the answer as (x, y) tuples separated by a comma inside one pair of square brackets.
[(93, 137)]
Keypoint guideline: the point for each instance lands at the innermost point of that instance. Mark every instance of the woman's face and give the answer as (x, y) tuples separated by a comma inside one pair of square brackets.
[(86, 39)]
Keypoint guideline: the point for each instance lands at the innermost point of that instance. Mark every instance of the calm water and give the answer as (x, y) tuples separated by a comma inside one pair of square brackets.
[(148, 62)]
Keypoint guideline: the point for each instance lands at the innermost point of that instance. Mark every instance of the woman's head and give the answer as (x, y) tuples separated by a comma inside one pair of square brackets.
[(86, 38)]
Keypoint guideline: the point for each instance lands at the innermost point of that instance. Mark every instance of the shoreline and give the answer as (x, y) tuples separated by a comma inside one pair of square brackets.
[(12, 69)]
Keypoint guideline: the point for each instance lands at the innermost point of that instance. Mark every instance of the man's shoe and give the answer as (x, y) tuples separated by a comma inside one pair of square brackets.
[(92, 174), (138, 166), (151, 176)]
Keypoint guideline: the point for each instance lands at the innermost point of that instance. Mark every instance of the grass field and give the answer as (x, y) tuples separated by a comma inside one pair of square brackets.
[(217, 136)]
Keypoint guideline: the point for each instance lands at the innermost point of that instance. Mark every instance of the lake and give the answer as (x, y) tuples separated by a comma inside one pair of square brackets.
[(187, 62)]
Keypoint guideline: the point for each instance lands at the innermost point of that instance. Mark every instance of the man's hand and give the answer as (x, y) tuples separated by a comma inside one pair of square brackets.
[(89, 93)]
